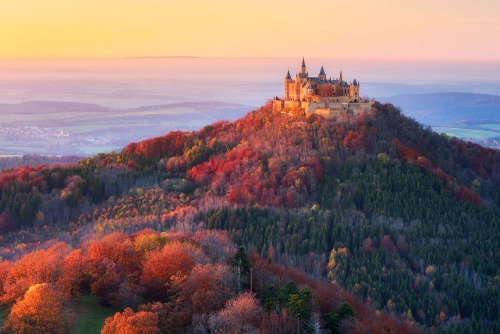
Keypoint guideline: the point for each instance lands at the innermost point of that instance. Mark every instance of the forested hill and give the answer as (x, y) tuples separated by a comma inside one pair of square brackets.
[(401, 217)]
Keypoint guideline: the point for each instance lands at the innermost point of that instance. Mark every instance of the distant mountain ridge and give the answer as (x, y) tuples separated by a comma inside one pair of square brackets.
[(34, 107), (448, 108), (91, 128), (38, 107)]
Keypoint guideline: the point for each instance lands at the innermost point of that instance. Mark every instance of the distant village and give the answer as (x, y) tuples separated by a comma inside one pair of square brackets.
[(34, 132)]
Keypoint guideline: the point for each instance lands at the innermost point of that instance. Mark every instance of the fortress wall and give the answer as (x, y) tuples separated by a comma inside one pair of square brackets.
[(277, 105), (325, 112), (310, 107), (337, 105), (360, 108)]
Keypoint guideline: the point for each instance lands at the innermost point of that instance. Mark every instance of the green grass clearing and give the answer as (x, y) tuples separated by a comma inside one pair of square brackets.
[(92, 315), (3, 316)]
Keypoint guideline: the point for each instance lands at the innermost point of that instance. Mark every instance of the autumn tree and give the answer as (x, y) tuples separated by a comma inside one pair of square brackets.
[(387, 244), (367, 246), (169, 319), (44, 309), (129, 322), (161, 266), (242, 314), (205, 289)]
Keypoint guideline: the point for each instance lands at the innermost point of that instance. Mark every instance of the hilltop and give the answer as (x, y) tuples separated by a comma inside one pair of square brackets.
[(400, 216)]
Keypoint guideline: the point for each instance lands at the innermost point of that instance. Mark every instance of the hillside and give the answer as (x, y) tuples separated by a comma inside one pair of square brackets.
[(399, 216)]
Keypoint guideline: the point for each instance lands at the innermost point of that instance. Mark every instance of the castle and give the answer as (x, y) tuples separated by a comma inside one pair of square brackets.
[(319, 95)]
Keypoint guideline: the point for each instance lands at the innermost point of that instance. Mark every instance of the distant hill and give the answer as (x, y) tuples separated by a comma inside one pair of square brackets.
[(67, 128), (449, 109), (222, 110), (49, 107)]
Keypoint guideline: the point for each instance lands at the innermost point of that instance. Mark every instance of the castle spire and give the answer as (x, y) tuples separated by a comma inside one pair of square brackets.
[(303, 67), (322, 72), (303, 62), (340, 78), (288, 76)]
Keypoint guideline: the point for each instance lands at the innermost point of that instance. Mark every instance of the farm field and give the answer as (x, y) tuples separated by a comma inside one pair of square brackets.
[(465, 132)]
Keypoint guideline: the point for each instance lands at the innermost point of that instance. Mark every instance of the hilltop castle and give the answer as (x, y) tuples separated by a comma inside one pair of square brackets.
[(330, 97)]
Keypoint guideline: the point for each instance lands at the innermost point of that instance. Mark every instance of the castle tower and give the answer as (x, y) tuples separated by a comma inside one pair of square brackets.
[(322, 74), (303, 67), (340, 77), (288, 81), (354, 90)]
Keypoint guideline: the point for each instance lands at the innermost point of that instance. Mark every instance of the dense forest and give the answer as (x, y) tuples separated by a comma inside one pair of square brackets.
[(402, 218), (177, 282)]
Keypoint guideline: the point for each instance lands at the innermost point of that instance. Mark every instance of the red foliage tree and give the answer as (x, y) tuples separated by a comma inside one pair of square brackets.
[(129, 322), (105, 282), (387, 244), (132, 165), (168, 145), (161, 265), (205, 289), (367, 247), (464, 194)]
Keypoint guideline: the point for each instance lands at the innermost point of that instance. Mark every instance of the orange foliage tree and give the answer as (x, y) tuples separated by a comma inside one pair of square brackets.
[(44, 309), (129, 322)]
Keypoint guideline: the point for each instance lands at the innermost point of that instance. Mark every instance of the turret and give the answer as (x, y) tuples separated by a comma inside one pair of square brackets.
[(303, 67), (354, 90), (288, 81), (322, 74), (340, 77)]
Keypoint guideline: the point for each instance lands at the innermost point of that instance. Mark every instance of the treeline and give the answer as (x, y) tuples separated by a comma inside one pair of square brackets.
[(36, 160)]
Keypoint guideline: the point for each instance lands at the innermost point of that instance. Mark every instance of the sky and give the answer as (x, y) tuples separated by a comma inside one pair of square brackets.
[(442, 30)]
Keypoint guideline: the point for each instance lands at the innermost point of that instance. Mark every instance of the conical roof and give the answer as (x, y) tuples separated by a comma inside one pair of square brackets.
[(322, 72), (288, 76), (303, 62)]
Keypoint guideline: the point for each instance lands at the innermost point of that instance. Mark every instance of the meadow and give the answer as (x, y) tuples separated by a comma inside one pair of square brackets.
[(466, 133)]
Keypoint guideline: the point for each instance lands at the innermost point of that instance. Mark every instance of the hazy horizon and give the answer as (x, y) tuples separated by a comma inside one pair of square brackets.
[(246, 83), (135, 82)]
